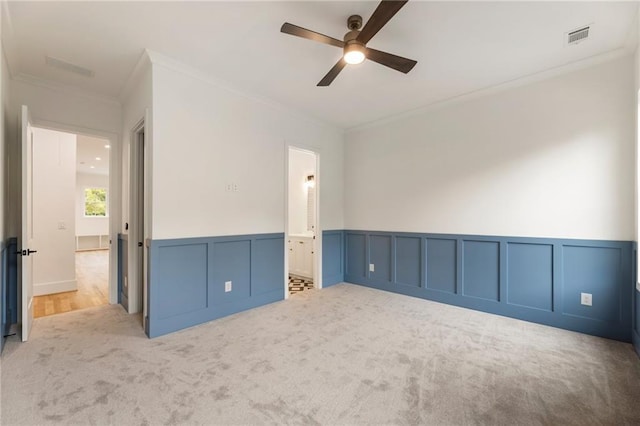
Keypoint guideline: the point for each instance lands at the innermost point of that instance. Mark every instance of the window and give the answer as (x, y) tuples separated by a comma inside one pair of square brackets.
[(95, 202)]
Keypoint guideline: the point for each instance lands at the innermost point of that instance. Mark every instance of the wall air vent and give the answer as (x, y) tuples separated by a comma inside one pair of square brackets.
[(577, 36), (69, 67)]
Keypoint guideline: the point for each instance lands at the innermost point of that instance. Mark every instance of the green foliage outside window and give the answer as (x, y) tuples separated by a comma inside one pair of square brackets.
[(95, 202)]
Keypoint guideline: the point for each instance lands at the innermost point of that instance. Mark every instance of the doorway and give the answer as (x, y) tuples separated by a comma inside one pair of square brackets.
[(70, 216), (134, 287), (302, 221)]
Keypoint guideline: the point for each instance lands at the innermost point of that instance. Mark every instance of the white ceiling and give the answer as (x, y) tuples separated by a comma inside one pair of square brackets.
[(92, 155), (461, 47)]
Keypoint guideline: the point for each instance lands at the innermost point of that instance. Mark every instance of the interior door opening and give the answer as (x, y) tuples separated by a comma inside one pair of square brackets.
[(70, 221), (65, 244), (135, 289), (302, 231)]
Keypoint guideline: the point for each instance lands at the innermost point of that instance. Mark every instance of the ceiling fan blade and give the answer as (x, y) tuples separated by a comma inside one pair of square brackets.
[(333, 73), (383, 13), (295, 30), (397, 63)]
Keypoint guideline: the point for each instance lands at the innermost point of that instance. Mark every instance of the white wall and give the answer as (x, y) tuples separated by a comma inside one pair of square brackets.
[(636, 97), (54, 188), (64, 110), (206, 136), (554, 159), (52, 104), (301, 165), (137, 104), (90, 225), (4, 137)]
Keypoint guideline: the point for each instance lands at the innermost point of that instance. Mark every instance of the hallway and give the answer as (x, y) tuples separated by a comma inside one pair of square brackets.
[(92, 274)]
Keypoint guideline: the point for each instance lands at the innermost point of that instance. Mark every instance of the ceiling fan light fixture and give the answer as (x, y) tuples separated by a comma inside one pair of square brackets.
[(354, 53), (355, 41)]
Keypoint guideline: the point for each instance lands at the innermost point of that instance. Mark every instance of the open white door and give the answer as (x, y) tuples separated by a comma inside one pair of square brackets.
[(26, 242)]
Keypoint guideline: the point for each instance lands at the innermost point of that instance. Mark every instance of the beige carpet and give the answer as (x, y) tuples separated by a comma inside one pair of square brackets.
[(343, 355)]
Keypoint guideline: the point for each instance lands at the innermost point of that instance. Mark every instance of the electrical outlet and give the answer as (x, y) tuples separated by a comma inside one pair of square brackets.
[(62, 225), (227, 286), (372, 267), (228, 187), (586, 299), (235, 187)]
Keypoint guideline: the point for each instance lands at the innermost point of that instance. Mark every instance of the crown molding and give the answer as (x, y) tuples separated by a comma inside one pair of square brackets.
[(64, 88), (142, 65), (170, 63), (490, 90)]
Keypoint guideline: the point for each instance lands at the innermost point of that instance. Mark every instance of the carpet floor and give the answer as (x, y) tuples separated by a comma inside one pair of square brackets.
[(343, 355)]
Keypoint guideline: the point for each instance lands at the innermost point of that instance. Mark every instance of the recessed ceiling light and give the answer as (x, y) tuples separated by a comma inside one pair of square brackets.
[(92, 167), (98, 158), (107, 146)]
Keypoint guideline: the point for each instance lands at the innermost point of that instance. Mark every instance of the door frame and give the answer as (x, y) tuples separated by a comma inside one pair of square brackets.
[(115, 189), (25, 239), (142, 126), (317, 248)]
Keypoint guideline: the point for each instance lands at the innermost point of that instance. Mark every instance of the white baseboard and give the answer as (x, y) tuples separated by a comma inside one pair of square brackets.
[(42, 289)]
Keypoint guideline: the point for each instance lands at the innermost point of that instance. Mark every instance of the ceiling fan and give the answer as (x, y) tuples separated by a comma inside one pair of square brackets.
[(354, 46)]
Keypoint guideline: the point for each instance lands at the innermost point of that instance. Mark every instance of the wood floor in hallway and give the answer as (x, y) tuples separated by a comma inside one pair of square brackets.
[(92, 274)]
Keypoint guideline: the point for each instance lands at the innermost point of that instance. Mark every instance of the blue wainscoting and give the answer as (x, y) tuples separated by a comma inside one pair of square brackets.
[(636, 322), (3, 293), (123, 270), (534, 279), (635, 326), (12, 280), (8, 288), (332, 257), (187, 278)]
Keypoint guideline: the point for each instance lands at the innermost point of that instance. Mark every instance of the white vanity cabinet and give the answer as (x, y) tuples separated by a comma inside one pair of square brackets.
[(301, 255)]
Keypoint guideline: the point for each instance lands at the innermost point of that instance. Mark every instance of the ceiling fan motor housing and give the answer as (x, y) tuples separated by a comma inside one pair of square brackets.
[(350, 39), (354, 22), (351, 36), (351, 44)]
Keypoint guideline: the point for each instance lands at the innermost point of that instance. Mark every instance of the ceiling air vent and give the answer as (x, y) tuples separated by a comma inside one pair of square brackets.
[(575, 37), (69, 67)]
